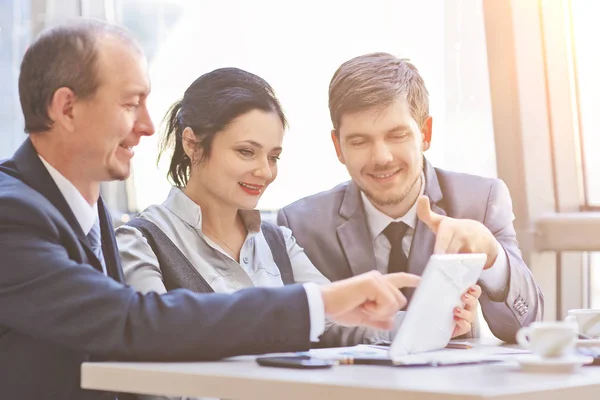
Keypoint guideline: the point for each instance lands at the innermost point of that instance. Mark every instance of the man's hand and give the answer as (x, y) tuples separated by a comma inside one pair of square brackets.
[(465, 316), (370, 299), (458, 235)]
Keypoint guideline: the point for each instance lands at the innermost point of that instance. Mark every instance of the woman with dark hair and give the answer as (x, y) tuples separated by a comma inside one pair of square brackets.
[(227, 134)]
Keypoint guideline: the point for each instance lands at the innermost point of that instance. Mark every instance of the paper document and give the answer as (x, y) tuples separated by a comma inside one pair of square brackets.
[(438, 357)]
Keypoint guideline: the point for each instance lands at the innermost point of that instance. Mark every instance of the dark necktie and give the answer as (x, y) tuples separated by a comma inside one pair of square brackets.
[(395, 231), (95, 239)]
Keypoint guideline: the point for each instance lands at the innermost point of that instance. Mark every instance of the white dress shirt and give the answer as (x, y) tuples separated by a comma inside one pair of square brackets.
[(493, 280), (180, 218), (85, 214)]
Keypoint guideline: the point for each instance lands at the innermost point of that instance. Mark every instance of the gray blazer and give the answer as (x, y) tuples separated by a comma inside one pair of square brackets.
[(332, 228)]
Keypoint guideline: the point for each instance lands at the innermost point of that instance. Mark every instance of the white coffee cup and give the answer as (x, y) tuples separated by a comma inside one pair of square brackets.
[(548, 339), (588, 320)]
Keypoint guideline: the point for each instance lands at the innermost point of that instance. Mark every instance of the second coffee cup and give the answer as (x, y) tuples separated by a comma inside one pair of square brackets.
[(548, 339)]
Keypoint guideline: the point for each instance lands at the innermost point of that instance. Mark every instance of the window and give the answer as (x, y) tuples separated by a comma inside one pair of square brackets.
[(15, 35), (594, 283), (297, 49), (586, 30), (587, 64)]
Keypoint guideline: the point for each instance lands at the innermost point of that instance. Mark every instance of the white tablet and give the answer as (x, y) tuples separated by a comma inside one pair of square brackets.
[(429, 320)]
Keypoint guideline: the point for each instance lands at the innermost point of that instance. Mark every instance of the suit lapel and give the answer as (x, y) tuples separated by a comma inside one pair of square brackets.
[(424, 239), (422, 245), (36, 176), (353, 234)]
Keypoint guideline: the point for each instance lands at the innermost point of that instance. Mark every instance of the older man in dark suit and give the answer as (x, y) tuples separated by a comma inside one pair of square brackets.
[(83, 90), (398, 209)]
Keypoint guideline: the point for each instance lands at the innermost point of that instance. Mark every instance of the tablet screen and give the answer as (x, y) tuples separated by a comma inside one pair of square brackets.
[(429, 320)]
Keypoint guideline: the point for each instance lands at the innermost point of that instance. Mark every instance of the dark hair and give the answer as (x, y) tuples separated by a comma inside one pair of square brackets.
[(63, 56), (208, 106)]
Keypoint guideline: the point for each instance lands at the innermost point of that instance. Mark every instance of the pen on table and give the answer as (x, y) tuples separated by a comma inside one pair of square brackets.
[(363, 361), (463, 346)]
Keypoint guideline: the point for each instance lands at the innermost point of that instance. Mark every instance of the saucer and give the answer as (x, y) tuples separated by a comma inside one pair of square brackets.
[(587, 343), (566, 364)]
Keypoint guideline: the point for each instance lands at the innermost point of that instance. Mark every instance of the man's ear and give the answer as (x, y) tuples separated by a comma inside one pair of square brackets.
[(335, 138), (426, 131), (61, 108), (190, 144)]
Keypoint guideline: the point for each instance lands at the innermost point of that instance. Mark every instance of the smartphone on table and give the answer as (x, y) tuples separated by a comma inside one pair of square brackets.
[(298, 362)]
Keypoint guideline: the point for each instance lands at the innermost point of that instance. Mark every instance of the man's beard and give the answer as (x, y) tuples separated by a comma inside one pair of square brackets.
[(392, 199)]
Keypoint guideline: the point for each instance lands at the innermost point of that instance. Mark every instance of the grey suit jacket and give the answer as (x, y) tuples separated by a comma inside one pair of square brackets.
[(332, 228)]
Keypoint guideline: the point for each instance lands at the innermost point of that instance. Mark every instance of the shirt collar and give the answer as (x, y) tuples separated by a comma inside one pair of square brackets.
[(85, 214), (378, 221), (189, 212)]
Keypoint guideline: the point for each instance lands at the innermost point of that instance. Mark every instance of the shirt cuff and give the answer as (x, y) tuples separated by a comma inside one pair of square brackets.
[(494, 280), (316, 309)]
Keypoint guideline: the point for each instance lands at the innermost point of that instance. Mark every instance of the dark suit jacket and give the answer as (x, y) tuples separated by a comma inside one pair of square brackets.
[(332, 228), (58, 310)]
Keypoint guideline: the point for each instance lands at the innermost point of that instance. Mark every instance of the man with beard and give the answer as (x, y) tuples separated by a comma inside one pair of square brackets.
[(398, 209)]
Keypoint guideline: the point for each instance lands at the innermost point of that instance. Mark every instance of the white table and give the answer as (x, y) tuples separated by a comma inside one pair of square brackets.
[(241, 378)]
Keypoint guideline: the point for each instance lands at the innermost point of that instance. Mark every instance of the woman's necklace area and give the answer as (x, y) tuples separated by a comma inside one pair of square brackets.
[(220, 241)]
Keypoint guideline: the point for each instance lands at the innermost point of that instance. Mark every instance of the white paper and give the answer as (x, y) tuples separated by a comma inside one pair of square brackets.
[(478, 353)]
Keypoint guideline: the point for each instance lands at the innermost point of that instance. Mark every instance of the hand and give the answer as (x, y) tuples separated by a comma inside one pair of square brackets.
[(465, 316), (458, 235), (370, 299)]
